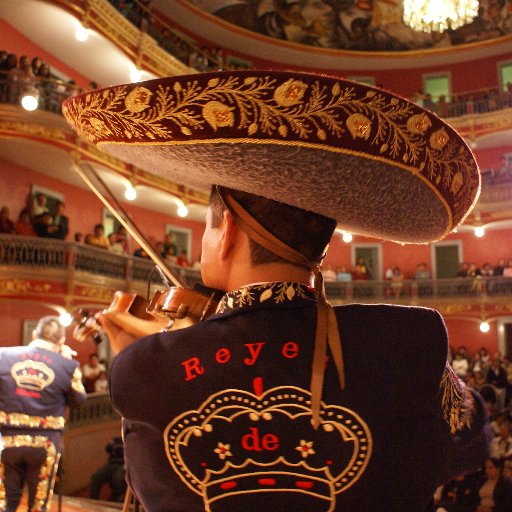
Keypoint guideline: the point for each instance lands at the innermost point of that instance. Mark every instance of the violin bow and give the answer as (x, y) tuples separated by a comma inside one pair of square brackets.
[(107, 197)]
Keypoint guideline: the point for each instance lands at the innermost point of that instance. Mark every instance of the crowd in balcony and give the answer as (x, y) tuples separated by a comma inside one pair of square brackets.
[(21, 76), (489, 490), (475, 102)]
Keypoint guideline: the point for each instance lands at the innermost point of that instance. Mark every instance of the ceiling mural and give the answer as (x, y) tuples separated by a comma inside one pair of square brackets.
[(360, 25)]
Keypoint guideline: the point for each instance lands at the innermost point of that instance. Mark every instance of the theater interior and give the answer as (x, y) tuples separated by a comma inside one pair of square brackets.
[(464, 75)]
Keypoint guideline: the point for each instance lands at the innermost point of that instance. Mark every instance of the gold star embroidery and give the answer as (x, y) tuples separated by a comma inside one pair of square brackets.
[(305, 448)]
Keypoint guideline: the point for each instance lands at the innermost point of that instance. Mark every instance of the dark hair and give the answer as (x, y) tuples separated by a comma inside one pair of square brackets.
[(98, 226), (497, 463), (305, 231)]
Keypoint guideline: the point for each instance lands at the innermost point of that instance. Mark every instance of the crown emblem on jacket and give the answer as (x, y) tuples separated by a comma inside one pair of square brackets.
[(32, 375), (239, 445)]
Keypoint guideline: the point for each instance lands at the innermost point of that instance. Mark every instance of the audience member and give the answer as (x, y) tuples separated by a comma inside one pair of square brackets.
[(422, 272), (78, 237), (169, 241), (183, 260), (91, 372), (501, 445), (60, 221), (495, 493), (170, 255), (43, 225), (97, 239), (343, 275), (141, 253), (114, 245), (101, 384), (6, 224), (112, 473), (328, 273), (361, 271), (460, 365), (23, 226), (39, 205)]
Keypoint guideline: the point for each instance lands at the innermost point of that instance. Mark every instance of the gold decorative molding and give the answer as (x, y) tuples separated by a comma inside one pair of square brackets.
[(22, 286), (472, 126), (139, 46)]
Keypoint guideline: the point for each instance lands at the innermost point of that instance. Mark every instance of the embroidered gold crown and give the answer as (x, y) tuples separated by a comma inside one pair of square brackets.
[(238, 444), (32, 375)]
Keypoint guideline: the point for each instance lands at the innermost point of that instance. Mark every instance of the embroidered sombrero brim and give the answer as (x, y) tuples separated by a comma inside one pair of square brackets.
[(377, 163)]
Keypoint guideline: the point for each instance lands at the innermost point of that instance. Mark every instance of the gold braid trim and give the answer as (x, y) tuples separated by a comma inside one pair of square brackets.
[(17, 419), (47, 472), (457, 401)]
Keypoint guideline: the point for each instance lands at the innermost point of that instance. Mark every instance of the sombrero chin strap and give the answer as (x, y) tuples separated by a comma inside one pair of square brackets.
[(327, 325)]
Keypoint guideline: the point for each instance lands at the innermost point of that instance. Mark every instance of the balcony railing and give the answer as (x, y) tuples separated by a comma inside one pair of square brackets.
[(44, 253), (96, 409), (425, 289), (31, 253)]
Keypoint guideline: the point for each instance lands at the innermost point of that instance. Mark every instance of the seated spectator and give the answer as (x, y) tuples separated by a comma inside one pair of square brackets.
[(422, 272), (39, 205), (501, 445), (343, 275), (97, 239), (101, 384), (507, 271), (459, 495), (78, 237), (183, 260), (60, 221), (91, 372), (170, 255), (114, 245), (43, 225), (24, 226), (361, 271), (499, 268), (121, 237), (159, 247), (396, 282), (495, 493), (6, 224), (141, 253), (486, 270), (460, 365), (112, 473), (463, 269), (480, 379), (329, 274), (169, 240)]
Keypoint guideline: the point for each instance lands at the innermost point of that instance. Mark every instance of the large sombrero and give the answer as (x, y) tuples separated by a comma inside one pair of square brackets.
[(377, 163)]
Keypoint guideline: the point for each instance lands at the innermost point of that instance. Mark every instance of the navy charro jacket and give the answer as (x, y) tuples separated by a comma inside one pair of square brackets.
[(36, 385), (217, 416)]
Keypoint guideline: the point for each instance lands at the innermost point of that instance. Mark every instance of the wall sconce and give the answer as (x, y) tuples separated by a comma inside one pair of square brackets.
[(484, 326), (182, 209), (81, 34), (135, 75), (479, 231), (347, 237), (130, 193), (30, 98)]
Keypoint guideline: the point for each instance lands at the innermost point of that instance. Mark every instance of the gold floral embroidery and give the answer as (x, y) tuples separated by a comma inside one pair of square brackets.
[(218, 115), (16, 419), (138, 99), (284, 108), (457, 401), (76, 381), (47, 472), (276, 292)]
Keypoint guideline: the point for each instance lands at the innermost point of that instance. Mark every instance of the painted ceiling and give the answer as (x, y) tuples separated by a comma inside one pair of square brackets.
[(357, 25)]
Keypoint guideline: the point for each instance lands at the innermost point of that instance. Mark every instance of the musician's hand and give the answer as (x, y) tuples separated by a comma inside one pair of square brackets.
[(119, 338)]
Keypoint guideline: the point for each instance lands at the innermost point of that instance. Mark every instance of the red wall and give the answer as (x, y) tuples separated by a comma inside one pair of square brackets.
[(467, 332), (13, 41)]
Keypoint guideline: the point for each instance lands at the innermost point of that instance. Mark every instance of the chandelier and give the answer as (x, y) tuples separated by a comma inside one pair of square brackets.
[(439, 15)]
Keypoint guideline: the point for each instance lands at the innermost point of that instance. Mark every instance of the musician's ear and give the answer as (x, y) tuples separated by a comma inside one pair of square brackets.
[(228, 236)]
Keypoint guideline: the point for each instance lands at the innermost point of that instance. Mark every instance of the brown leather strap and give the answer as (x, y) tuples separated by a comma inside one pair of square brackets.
[(254, 230), (327, 332)]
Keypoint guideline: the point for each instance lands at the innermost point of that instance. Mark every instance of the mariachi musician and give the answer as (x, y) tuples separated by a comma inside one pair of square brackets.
[(279, 401), (37, 383)]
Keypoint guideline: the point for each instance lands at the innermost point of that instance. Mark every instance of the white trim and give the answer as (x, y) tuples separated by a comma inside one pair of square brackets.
[(499, 65), (433, 258), (188, 232), (502, 320), (48, 192), (438, 74)]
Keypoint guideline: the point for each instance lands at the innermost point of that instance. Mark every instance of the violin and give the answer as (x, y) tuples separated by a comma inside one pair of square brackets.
[(175, 308)]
